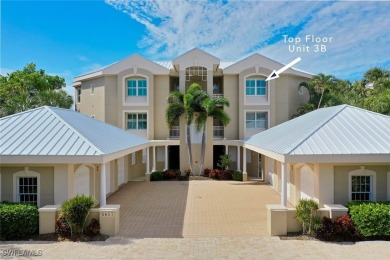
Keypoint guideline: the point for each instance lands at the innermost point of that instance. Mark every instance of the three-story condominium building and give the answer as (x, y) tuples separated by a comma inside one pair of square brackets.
[(132, 94)]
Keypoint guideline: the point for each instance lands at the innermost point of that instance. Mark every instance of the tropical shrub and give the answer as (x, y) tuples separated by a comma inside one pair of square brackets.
[(341, 229), (18, 220), (226, 175), (156, 176), (62, 227), (372, 219), (206, 172), (224, 161), (75, 211), (307, 215), (237, 176), (93, 228), (212, 174), (171, 174)]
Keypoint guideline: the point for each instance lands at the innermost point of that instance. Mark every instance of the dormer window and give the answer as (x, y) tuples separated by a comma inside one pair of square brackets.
[(256, 87), (137, 87)]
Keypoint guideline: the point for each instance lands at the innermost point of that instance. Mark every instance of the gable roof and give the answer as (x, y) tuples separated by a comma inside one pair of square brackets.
[(49, 131), (332, 133), (258, 60)]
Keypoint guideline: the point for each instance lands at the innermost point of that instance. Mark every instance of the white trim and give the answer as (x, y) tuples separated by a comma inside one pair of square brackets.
[(362, 172), (124, 89), (268, 89), (255, 110), (92, 89), (26, 173)]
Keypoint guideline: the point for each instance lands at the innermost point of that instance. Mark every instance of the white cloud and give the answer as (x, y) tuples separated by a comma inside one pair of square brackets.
[(233, 29)]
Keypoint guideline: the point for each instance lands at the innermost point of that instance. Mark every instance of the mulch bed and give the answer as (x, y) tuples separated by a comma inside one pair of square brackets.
[(297, 236), (57, 238)]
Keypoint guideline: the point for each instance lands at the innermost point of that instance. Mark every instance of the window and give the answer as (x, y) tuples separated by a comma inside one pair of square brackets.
[(362, 185), (136, 87), (361, 188), (28, 190), (92, 89), (78, 94), (137, 121), (258, 120), (256, 87)]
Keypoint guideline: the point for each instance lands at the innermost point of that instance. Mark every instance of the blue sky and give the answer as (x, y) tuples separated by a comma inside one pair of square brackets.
[(69, 38)]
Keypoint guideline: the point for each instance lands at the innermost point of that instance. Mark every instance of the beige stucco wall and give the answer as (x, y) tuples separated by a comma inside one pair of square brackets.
[(137, 170), (46, 182), (111, 101), (161, 92), (341, 181), (230, 89), (93, 104)]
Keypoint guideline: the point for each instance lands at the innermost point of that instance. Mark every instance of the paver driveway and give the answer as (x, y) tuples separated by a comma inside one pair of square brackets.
[(193, 209)]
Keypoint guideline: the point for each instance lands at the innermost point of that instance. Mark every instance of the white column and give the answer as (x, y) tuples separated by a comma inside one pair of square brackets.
[(102, 185), (226, 149), (147, 161), (244, 173), (166, 158), (284, 185), (154, 159), (238, 158)]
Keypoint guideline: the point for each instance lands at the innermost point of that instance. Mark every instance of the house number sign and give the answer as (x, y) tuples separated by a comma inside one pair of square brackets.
[(107, 214)]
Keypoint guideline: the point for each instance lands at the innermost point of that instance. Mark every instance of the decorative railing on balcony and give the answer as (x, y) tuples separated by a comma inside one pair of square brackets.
[(218, 132), (217, 95), (174, 132)]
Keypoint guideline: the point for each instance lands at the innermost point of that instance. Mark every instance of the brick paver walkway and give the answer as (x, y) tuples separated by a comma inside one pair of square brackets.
[(193, 209)]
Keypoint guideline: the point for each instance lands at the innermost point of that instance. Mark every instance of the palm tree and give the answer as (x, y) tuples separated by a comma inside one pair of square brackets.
[(321, 83), (185, 104), (211, 108)]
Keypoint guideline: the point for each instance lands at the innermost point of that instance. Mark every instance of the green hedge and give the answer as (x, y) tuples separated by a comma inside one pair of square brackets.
[(156, 176), (18, 220), (372, 219), (237, 176)]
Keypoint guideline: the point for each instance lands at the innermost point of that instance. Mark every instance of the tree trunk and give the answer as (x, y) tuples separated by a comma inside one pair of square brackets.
[(203, 150), (189, 146), (322, 94)]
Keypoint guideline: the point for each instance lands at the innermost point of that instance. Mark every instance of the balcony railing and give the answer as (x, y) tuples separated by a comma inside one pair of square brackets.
[(217, 95), (218, 132), (174, 132)]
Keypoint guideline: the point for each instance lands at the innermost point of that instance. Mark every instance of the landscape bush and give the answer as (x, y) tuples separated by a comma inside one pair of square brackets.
[(307, 216), (156, 176), (341, 229), (75, 212), (206, 172), (171, 174), (62, 227), (18, 220), (93, 228), (237, 176), (372, 219)]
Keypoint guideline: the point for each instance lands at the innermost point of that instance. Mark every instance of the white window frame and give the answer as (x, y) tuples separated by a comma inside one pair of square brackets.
[(257, 111), (363, 172), (78, 95), (92, 88), (28, 174), (255, 79), (137, 121)]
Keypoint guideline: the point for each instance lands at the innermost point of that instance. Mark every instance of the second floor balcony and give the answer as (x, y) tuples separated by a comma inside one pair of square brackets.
[(217, 95), (218, 132), (174, 132)]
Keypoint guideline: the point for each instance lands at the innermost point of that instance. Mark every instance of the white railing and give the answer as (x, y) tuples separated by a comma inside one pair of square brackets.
[(217, 95), (218, 132), (174, 132)]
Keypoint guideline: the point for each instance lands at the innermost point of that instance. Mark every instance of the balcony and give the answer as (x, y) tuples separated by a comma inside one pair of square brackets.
[(218, 132), (217, 95), (174, 132)]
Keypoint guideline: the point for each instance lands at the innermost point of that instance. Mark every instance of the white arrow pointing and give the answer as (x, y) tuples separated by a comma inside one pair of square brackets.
[(275, 74)]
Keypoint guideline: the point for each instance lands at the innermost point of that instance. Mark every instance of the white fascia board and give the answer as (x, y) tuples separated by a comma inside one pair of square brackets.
[(89, 76), (163, 142), (76, 83), (50, 159), (339, 158), (120, 154), (273, 155)]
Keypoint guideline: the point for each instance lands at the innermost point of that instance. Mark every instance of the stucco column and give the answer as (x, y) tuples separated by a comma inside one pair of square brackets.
[(244, 173), (166, 158), (147, 161), (226, 149), (238, 158), (154, 159), (102, 185), (284, 184)]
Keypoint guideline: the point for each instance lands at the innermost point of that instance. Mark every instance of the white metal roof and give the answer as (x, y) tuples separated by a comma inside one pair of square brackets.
[(53, 131), (335, 131)]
